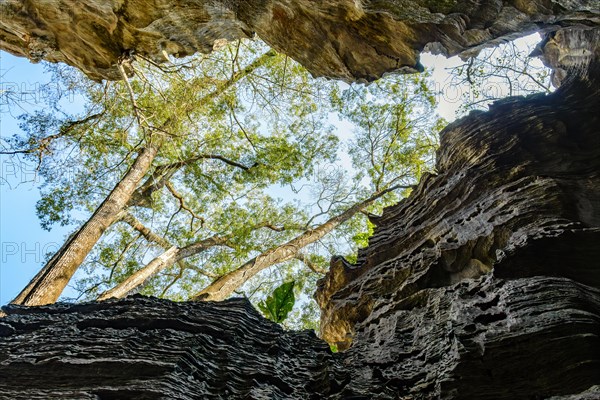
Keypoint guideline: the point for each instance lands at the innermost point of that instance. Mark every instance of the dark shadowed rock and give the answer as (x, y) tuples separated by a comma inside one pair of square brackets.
[(144, 348)]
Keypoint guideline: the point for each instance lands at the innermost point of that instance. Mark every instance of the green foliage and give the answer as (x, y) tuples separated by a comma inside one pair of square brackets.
[(51, 210), (393, 143), (396, 131), (362, 238), (248, 152), (278, 305)]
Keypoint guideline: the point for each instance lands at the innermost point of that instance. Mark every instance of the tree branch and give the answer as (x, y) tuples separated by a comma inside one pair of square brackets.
[(163, 173), (311, 265), (64, 130), (146, 232), (182, 205), (166, 259), (231, 281)]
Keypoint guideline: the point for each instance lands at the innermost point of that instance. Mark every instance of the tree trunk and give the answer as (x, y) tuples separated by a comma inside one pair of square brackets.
[(49, 283), (223, 287), (171, 256)]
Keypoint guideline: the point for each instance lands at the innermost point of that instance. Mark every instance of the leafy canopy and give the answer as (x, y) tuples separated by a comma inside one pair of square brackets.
[(254, 152)]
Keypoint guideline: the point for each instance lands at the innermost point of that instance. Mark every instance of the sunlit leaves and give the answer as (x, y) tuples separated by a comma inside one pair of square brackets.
[(278, 305), (237, 129), (236, 123), (395, 133), (394, 138)]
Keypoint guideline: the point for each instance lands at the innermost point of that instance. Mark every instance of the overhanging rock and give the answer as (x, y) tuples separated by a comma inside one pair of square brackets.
[(344, 39)]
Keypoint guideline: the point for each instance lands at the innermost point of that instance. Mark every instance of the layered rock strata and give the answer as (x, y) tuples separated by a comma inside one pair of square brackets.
[(141, 348), (517, 191)]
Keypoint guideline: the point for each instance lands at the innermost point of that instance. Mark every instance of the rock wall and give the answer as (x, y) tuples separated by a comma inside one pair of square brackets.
[(141, 348), (517, 192), (483, 284), (344, 39)]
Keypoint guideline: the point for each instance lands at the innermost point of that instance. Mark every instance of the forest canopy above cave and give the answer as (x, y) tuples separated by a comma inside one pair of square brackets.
[(486, 269)]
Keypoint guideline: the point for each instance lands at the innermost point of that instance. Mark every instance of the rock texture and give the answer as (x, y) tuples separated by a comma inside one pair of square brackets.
[(517, 191), (483, 284), (526, 338), (141, 348), (570, 49), (345, 39)]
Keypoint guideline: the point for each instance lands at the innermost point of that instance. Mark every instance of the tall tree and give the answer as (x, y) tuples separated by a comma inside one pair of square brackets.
[(395, 136), (182, 119), (239, 127), (397, 140)]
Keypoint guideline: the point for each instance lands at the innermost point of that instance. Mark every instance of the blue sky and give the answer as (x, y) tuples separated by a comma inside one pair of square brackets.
[(23, 242)]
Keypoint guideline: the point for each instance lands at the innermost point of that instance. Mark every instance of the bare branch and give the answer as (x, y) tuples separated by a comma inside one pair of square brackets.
[(175, 279), (182, 205), (139, 116)]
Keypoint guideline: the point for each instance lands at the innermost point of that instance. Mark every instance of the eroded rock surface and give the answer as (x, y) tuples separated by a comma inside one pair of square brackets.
[(485, 282), (344, 39), (570, 49), (517, 192), (143, 348), (526, 338)]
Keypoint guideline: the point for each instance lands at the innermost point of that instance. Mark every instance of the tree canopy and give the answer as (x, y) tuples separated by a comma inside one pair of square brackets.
[(225, 174)]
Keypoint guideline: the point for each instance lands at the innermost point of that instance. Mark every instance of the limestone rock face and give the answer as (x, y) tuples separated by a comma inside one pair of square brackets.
[(525, 338), (517, 192), (485, 282), (344, 39), (141, 348), (570, 49)]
